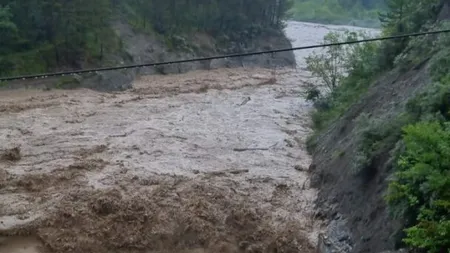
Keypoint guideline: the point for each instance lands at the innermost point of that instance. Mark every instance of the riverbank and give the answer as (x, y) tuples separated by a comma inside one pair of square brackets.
[(204, 161)]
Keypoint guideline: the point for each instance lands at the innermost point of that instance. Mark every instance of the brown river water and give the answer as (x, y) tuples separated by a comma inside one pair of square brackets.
[(201, 162)]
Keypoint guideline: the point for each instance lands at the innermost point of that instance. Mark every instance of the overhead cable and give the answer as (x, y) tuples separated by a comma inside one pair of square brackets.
[(154, 64)]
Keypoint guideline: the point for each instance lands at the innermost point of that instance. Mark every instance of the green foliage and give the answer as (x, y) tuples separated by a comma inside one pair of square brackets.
[(34, 61), (342, 12), (420, 190), (419, 49), (433, 104), (327, 66), (414, 194), (8, 30), (406, 16), (8, 35), (343, 73), (45, 35), (375, 137), (214, 17), (50, 33), (440, 63)]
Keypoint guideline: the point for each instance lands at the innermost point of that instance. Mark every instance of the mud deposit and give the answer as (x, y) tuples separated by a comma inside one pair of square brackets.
[(202, 162)]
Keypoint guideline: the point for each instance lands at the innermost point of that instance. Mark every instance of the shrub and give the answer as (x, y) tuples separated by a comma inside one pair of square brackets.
[(440, 66), (420, 190), (433, 104), (343, 72), (328, 65), (375, 136)]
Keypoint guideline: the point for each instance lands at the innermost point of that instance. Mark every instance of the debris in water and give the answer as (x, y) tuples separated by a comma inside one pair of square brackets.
[(11, 154)]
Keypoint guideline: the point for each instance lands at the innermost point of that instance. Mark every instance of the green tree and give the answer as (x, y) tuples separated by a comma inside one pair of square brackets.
[(421, 188), (8, 30), (9, 36), (333, 65), (71, 33)]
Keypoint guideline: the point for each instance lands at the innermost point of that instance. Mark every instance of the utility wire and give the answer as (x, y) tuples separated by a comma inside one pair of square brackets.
[(45, 75)]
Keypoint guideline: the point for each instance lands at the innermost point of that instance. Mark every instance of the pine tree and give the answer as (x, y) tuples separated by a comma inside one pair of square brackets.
[(8, 30)]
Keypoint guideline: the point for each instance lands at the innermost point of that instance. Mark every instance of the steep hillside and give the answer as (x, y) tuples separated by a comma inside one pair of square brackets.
[(43, 36), (381, 143)]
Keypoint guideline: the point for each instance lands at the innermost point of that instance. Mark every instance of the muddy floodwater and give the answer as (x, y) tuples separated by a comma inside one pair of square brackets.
[(207, 161)]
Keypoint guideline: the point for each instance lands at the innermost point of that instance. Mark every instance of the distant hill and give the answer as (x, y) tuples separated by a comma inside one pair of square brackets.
[(44, 35), (362, 13)]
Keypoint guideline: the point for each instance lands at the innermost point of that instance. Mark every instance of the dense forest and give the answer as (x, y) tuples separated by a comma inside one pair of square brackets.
[(408, 139), (39, 35), (342, 12)]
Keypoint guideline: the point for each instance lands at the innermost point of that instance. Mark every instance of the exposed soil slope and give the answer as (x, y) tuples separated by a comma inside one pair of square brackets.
[(355, 202)]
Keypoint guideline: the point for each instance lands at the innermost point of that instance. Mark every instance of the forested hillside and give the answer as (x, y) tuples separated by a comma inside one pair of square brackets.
[(342, 12), (40, 35), (381, 149)]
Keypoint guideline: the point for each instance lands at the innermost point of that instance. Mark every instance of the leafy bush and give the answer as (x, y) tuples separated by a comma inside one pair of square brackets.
[(419, 49), (433, 104), (440, 63), (343, 72), (329, 65), (312, 93), (406, 17), (333, 64), (413, 194), (420, 190), (376, 136)]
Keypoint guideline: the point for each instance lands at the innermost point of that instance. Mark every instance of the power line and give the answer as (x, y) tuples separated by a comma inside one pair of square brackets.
[(45, 75)]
